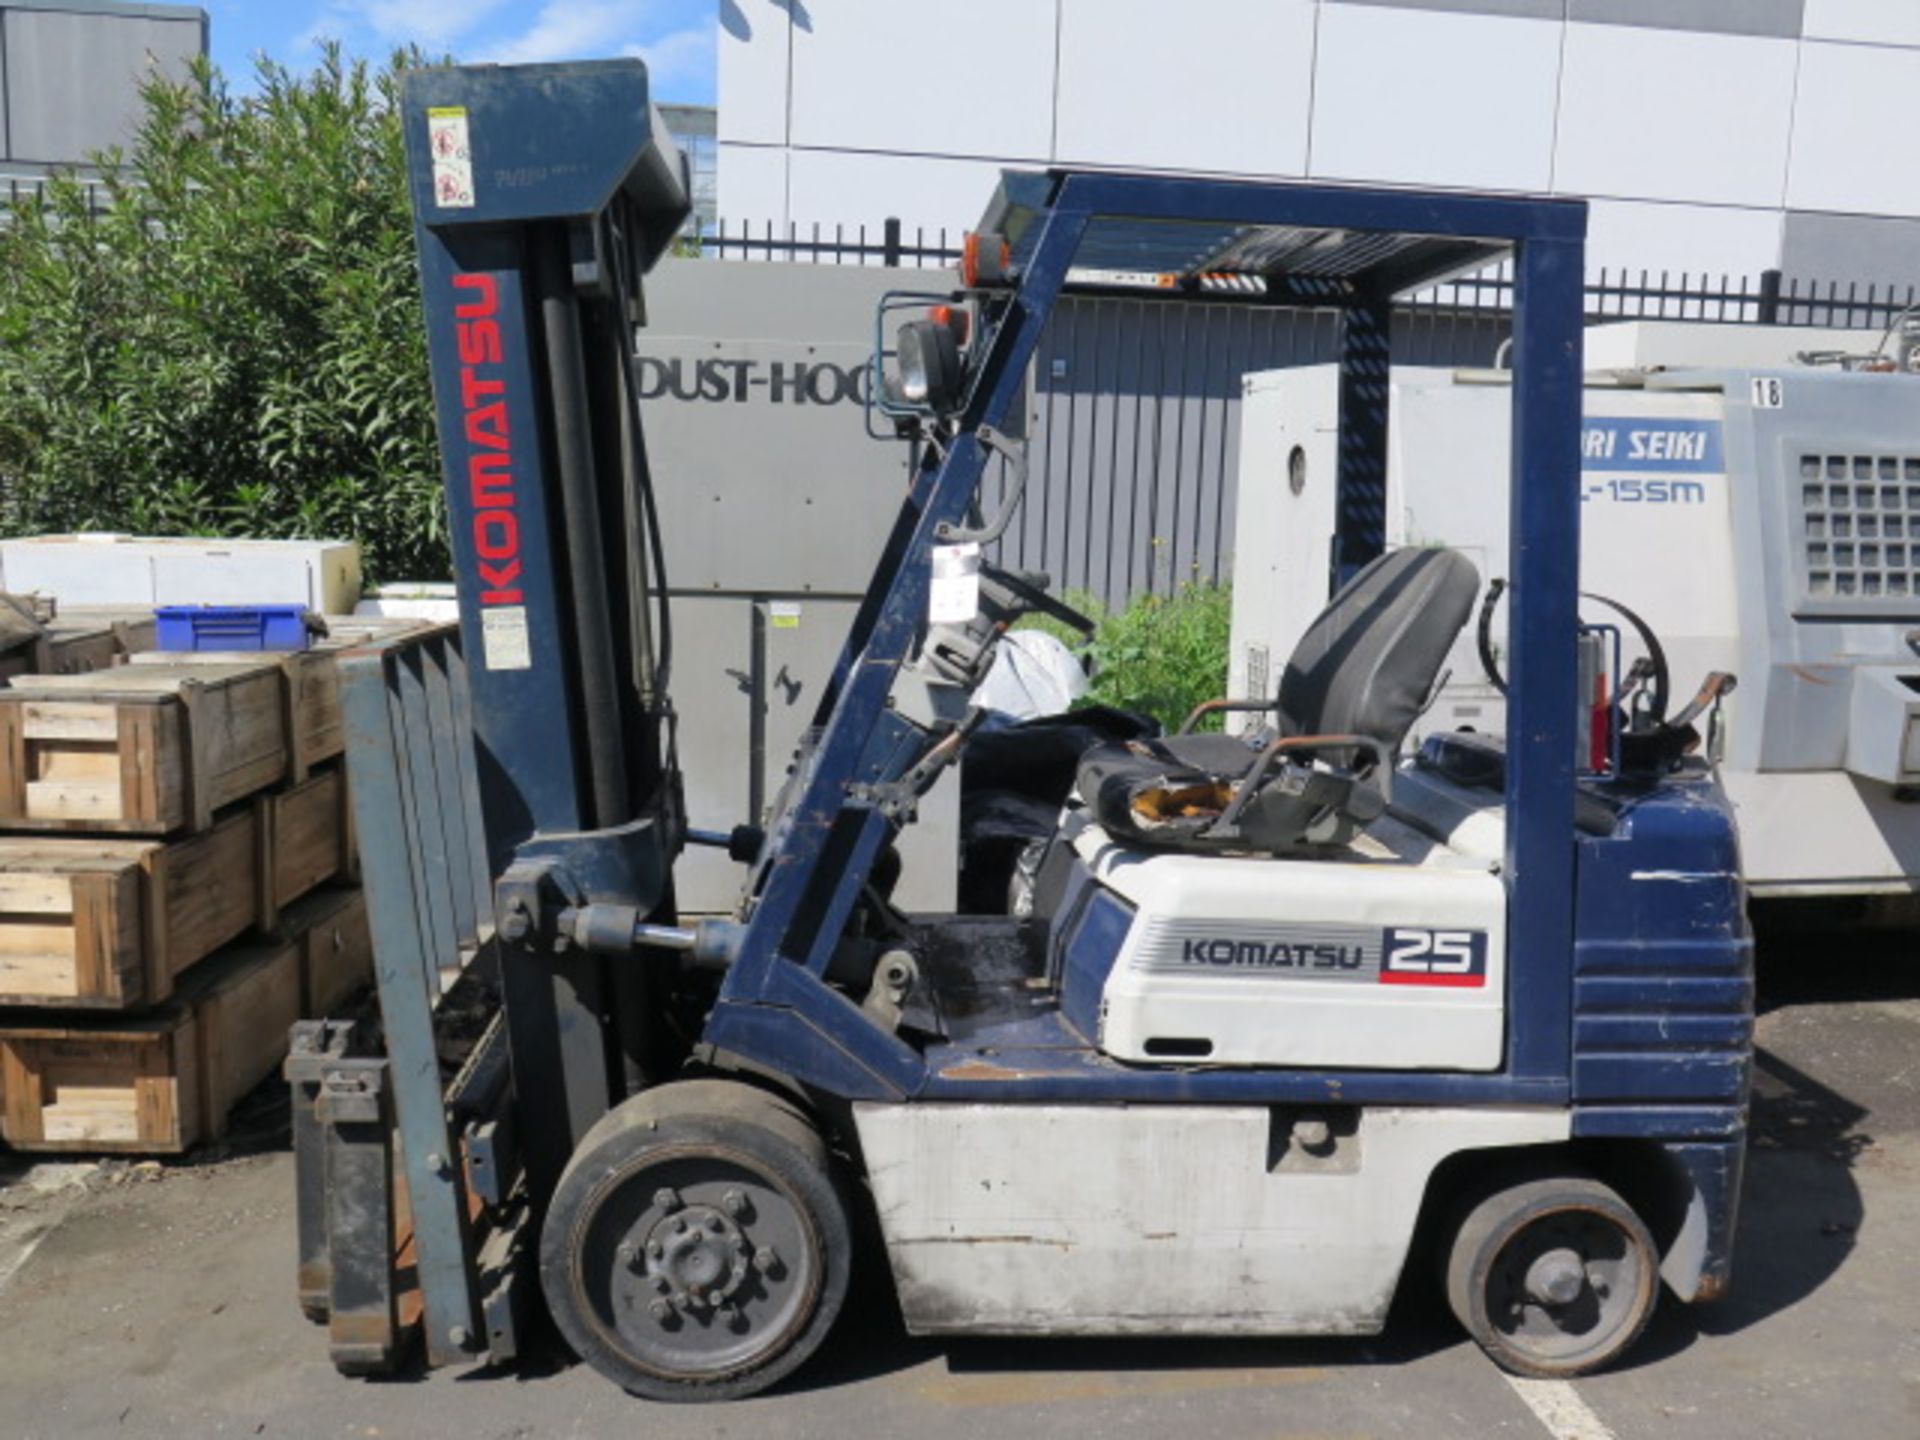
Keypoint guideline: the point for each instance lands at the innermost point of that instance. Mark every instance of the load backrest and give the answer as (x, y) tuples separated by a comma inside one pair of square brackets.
[(1367, 664)]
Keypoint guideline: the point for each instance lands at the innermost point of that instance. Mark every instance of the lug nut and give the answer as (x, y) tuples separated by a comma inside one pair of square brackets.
[(667, 1198), (661, 1311), (625, 1253), (656, 1249), (764, 1259), (734, 1202)]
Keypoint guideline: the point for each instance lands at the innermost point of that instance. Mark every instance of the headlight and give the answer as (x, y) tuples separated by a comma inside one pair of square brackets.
[(930, 368)]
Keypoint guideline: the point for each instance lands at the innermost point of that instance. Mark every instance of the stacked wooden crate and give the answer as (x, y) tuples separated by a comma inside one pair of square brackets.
[(176, 890)]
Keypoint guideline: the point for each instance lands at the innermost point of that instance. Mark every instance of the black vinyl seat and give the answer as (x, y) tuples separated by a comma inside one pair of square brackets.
[(1316, 773)]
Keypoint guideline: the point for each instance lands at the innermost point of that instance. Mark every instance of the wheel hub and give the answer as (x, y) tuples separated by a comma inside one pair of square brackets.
[(1556, 1277), (700, 1256)]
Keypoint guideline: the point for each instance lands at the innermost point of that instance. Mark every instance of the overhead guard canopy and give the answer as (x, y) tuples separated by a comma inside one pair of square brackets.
[(1375, 242)]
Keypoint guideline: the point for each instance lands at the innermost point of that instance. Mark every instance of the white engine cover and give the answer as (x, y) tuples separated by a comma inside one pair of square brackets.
[(1392, 960)]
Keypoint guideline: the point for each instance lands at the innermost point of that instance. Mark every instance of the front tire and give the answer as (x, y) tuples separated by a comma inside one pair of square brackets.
[(1553, 1278), (697, 1246)]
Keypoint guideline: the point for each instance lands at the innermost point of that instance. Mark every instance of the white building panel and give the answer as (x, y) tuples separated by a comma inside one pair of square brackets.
[(1139, 87), (1432, 98), (754, 45), (837, 188), (752, 185), (1635, 235), (1674, 115), (1872, 22), (1855, 144), (897, 75)]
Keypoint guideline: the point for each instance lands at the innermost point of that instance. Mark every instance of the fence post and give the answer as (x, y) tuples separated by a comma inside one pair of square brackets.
[(1769, 297), (890, 255)]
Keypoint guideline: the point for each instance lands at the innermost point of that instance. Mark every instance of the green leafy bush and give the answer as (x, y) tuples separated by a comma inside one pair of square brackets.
[(1162, 654), (227, 340)]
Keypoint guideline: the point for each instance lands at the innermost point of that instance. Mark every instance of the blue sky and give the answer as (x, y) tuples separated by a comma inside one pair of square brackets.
[(676, 37)]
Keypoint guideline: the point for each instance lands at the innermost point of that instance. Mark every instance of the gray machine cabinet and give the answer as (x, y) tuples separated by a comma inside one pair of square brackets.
[(776, 503)]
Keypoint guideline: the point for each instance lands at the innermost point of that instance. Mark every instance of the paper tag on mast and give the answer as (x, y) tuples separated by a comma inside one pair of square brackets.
[(447, 142), (503, 638), (954, 597)]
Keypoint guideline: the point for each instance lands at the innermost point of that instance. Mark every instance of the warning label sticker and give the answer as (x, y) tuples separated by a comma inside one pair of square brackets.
[(447, 139), (503, 634), (955, 595)]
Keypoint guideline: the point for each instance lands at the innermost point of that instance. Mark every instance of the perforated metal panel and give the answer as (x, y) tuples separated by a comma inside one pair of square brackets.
[(1859, 533)]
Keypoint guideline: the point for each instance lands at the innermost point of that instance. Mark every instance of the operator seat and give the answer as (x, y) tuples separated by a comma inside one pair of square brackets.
[(1317, 773)]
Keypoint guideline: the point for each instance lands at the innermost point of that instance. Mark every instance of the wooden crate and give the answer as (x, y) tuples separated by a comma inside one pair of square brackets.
[(141, 749), (338, 956), (310, 698), (164, 1082), (161, 1083), (111, 924), (81, 641)]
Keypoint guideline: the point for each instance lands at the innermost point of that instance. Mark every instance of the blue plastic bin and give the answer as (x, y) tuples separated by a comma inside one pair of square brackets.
[(233, 627)]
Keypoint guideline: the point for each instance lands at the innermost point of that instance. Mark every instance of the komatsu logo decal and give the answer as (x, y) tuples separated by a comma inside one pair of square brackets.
[(1366, 954), (1274, 955), (489, 436)]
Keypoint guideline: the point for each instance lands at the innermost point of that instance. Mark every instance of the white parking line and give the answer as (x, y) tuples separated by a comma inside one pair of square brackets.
[(1558, 1407)]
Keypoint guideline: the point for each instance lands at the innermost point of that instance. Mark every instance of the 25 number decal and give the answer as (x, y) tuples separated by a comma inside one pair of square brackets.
[(1434, 957)]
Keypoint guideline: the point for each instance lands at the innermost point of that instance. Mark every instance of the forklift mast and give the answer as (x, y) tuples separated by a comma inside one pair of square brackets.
[(541, 196)]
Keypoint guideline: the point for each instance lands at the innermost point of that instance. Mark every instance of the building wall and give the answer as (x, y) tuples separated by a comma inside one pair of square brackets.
[(70, 74), (1717, 136)]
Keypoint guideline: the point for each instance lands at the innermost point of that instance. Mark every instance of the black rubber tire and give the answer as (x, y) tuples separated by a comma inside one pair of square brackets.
[(742, 1126), (1492, 1240)]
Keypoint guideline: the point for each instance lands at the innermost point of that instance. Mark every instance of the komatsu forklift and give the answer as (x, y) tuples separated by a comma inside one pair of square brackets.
[(1272, 1005)]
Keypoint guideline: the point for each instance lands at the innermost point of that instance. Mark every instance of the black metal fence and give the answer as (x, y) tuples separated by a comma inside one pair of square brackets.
[(1769, 298)]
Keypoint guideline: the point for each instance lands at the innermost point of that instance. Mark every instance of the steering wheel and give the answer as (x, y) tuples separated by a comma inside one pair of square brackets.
[(1660, 684)]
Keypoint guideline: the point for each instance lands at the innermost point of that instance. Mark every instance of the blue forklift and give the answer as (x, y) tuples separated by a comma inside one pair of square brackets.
[(1272, 1016)]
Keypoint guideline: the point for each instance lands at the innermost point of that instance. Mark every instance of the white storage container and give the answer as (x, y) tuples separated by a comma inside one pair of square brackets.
[(143, 571)]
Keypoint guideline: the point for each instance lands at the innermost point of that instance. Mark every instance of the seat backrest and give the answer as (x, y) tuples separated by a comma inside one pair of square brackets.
[(1367, 664)]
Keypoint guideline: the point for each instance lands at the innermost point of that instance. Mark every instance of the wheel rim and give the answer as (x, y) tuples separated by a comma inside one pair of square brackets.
[(696, 1263), (1568, 1285)]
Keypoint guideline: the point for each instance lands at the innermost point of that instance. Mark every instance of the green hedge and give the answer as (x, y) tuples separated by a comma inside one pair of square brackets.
[(224, 337)]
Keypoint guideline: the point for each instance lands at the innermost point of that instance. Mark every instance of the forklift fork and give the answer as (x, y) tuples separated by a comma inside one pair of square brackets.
[(411, 1207)]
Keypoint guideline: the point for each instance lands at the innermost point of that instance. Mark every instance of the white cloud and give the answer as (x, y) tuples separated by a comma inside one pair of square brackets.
[(572, 29), (682, 60), (433, 25)]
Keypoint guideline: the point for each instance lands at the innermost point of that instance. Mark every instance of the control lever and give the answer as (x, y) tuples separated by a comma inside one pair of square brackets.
[(897, 800)]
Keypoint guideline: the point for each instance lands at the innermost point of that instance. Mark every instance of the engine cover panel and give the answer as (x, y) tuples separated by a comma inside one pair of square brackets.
[(1393, 959)]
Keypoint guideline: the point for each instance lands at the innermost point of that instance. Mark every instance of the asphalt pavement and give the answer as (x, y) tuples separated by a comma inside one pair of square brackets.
[(158, 1301)]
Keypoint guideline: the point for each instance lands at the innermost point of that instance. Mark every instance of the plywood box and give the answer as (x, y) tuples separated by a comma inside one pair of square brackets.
[(162, 1083), (111, 924), (338, 957), (141, 749), (311, 697), (81, 641)]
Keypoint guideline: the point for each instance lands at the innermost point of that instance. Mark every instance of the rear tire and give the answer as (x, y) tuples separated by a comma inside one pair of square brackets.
[(1553, 1278), (697, 1246)]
